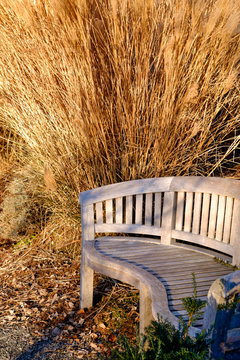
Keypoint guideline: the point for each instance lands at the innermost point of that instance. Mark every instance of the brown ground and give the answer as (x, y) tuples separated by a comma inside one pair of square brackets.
[(42, 298)]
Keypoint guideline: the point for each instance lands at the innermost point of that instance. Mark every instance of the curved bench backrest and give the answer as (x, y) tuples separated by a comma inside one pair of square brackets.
[(200, 210)]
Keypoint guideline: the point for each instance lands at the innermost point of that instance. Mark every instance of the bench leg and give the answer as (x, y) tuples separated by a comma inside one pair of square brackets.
[(86, 285), (146, 316)]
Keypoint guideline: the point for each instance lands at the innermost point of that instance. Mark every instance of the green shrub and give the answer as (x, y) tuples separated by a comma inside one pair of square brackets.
[(162, 341)]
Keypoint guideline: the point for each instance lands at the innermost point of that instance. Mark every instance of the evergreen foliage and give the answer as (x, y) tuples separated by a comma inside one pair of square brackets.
[(162, 341)]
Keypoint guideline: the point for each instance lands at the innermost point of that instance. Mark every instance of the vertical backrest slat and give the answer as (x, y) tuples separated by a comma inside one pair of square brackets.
[(109, 211), (213, 216), (220, 217), (205, 214), (148, 209), (168, 217), (188, 212), (179, 213), (119, 210), (235, 231), (139, 209), (99, 213), (157, 209), (129, 209), (227, 220), (197, 213)]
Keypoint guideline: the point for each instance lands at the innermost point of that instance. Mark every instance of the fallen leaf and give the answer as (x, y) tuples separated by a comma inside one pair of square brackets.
[(112, 338), (80, 312)]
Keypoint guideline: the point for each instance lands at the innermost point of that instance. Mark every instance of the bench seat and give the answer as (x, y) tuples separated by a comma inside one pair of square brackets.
[(168, 268)]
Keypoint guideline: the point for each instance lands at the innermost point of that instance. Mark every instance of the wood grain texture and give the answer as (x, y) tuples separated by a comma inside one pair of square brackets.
[(213, 216), (168, 217), (109, 212), (205, 215), (228, 220), (119, 210), (220, 217), (179, 212), (139, 209), (157, 209), (235, 240), (172, 266), (196, 213), (148, 210), (188, 212), (129, 209), (99, 213)]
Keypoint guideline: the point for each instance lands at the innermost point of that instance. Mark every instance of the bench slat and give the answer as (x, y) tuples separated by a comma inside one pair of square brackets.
[(99, 213), (197, 213), (119, 210), (213, 216), (188, 212), (157, 209), (205, 214), (129, 209), (128, 228), (204, 241), (199, 280), (220, 217), (180, 208), (109, 212), (148, 210), (139, 209), (228, 220)]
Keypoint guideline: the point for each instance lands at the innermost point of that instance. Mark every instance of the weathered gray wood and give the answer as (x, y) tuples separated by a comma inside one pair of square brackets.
[(205, 214), (220, 217), (179, 281), (204, 241), (109, 212), (99, 213), (146, 315), (87, 223), (119, 210), (127, 188), (168, 217), (228, 220), (210, 185), (196, 213), (86, 285), (188, 212), (157, 209), (139, 209), (128, 228), (129, 209), (235, 239), (213, 216), (179, 211), (148, 210)]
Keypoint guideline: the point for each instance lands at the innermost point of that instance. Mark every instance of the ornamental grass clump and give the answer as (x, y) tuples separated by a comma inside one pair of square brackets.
[(95, 92)]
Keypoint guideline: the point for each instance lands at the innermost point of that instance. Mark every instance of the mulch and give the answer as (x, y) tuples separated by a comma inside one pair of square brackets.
[(39, 309)]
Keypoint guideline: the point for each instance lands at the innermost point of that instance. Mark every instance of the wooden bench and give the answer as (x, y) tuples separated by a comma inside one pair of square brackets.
[(154, 233)]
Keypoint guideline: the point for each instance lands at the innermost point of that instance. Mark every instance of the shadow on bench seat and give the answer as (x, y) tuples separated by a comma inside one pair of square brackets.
[(202, 212)]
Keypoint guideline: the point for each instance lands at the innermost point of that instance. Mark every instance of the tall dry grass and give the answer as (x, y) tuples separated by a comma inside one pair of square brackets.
[(97, 92)]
